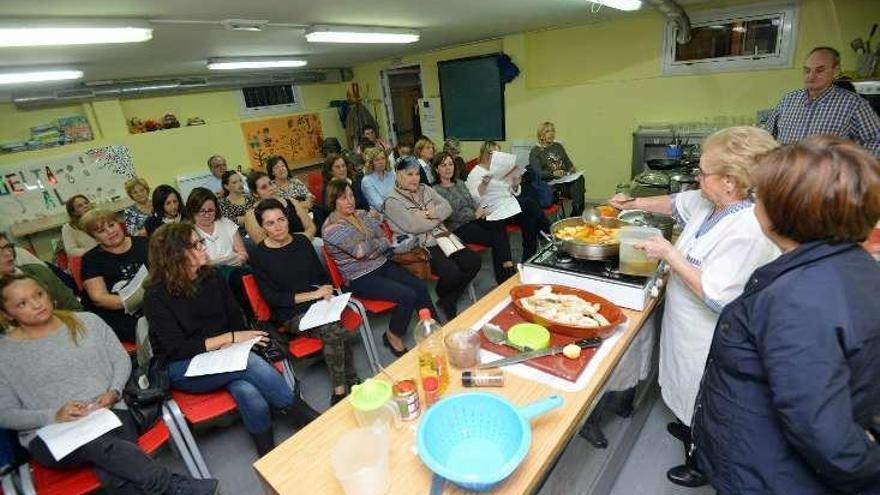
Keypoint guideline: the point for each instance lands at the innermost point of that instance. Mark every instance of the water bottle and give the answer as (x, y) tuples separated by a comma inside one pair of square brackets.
[(431, 351)]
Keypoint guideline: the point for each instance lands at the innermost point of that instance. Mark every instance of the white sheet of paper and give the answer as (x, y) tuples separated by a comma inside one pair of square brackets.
[(64, 438), (566, 178), (230, 358), (323, 312), (502, 164), (134, 284), (503, 209)]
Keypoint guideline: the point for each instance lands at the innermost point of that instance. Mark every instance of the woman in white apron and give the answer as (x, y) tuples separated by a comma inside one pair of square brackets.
[(720, 245)]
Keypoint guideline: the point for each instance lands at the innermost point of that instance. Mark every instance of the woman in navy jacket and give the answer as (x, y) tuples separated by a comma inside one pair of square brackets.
[(790, 399)]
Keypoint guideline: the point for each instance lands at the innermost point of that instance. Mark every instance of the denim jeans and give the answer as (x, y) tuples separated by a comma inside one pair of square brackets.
[(255, 389), (120, 464)]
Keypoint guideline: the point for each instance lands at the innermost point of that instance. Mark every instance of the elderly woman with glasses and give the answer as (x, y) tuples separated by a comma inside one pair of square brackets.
[(720, 245), (790, 398)]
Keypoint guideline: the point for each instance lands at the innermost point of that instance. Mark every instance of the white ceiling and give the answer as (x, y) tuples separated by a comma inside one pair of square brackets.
[(182, 49)]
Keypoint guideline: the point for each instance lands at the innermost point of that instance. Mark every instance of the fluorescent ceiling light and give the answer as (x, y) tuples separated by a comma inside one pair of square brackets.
[(621, 4), (360, 34), (254, 63), (73, 32), (39, 76)]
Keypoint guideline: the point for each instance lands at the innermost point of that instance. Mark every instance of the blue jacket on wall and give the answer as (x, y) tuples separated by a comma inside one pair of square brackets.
[(791, 391)]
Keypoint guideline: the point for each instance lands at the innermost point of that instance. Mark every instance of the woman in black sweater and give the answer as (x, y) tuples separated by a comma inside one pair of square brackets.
[(191, 310), (291, 278)]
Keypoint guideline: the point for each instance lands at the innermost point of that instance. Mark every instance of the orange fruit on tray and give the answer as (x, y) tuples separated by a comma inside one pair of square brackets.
[(609, 312)]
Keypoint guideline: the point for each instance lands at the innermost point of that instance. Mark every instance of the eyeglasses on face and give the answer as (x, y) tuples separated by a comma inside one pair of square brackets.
[(9, 248), (210, 211)]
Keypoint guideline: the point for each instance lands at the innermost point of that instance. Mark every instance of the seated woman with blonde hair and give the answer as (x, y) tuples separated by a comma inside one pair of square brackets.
[(58, 367), (136, 215)]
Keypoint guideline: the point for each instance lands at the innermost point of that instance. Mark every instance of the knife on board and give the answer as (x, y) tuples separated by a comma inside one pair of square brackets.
[(549, 351)]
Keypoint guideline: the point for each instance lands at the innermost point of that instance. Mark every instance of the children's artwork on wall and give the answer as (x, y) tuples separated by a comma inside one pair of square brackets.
[(297, 138), (38, 188)]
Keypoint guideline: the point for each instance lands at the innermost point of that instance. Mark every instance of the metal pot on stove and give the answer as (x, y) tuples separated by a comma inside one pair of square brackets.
[(644, 218), (683, 181)]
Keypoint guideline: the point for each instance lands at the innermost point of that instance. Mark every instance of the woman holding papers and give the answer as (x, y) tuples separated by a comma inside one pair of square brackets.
[(58, 367), (291, 278), (415, 213), (358, 245), (549, 160), (113, 273), (501, 191), (191, 310), (469, 220)]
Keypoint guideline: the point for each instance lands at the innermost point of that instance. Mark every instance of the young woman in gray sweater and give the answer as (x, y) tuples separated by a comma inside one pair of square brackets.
[(57, 367)]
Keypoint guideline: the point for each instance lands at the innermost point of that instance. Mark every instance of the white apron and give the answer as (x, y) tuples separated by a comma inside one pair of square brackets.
[(726, 248)]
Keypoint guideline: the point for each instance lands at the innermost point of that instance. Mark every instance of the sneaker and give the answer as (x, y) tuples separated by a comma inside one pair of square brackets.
[(184, 485)]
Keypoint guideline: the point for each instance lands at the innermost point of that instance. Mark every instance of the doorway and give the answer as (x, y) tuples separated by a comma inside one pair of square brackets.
[(402, 90)]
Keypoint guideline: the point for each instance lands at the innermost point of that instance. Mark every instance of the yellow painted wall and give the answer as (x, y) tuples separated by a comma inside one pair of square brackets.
[(163, 155), (599, 81)]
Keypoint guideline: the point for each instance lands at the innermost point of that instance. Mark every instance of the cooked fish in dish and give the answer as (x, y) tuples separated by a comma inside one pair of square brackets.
[(589, 234), (566, 309)]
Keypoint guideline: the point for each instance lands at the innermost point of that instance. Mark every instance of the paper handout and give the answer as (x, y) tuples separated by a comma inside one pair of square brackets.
[(323, 312), (224, 360), (503, 164), (64, 438), (565, 178)]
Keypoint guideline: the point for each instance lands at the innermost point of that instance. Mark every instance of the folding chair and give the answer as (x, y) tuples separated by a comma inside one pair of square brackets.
[(7, 485), (37, 479), (75, 264)]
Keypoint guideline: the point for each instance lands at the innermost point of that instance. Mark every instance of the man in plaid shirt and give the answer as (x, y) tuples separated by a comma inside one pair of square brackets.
[(823, 108)]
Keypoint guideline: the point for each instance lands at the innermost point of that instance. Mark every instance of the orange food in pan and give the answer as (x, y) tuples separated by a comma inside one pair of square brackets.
[(588, 234)]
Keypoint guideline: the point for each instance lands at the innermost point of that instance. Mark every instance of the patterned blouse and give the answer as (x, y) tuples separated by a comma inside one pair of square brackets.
[(134, 219), (232, 211), (295, 189)]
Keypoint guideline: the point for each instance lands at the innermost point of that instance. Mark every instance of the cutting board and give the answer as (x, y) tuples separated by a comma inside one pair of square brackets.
[(556, 365)]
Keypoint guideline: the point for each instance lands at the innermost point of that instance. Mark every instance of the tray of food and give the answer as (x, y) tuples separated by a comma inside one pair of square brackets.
[(566, 310)]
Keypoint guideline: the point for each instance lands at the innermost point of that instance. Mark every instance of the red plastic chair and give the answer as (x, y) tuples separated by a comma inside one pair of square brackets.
[(45, 481), (374, 306), (130, 347), (300, 346), (74, 263), (315, 183)]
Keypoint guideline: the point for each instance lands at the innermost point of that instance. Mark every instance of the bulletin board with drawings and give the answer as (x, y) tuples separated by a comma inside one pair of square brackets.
[(36, 189), (297, 138)]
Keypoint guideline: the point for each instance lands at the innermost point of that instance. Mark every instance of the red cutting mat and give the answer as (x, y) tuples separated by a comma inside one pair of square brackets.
[(556, 365)]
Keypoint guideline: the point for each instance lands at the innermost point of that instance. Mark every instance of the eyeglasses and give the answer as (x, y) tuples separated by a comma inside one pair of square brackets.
[(207, 212), (702, 174), (9, 248), (199, 244)]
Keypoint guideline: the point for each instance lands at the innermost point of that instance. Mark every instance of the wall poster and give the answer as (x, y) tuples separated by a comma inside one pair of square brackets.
[(297, 138)]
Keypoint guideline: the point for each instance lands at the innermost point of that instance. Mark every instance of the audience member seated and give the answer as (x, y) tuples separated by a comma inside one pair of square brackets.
[(362, 252), (549, 160), (293, 189), (291, 278), (468, 219), (378, 180), (416, 213), (234, 203), (222, 242), (217, 166), (298, 217), (424, 152), (452, 147), (166, 208), (482, 186), (61, 295), (109, 269), (57, 367), (371, 135), (76, 241), (191, 310), (789, 401), (403, 148), (336, 167), (136, 215)]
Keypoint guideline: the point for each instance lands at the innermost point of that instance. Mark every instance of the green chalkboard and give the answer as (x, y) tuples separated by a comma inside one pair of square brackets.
[(472, 97)]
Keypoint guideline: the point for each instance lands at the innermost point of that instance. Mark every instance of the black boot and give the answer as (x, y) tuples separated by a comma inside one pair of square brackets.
[(680, 431), (184, 485), (592, 431), (687, 474), (300, 412), (264, 441)]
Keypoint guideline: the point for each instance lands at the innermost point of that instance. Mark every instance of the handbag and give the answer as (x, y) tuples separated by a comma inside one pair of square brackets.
[(538, 188), (415, 261), (145, 392)]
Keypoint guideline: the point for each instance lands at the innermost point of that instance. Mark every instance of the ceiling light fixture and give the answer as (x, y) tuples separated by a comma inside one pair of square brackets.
[(73, 32), (243, 63), (627, 5), (360, 34), (31, 76)]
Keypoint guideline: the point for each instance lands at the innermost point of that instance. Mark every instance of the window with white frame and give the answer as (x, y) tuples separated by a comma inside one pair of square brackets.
[(735, 39)]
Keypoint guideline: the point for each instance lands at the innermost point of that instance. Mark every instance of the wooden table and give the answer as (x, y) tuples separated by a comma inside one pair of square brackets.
[(302, 463)]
